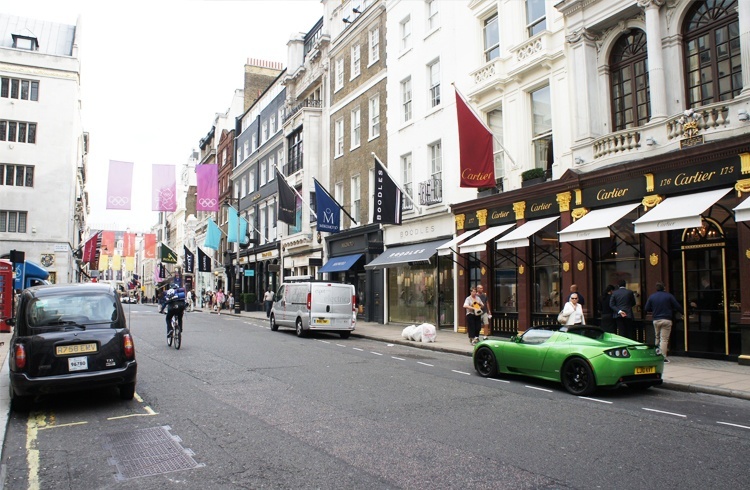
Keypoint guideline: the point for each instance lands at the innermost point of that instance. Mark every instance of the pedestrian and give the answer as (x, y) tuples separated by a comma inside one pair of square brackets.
[(607, 319), (230, 301), (219, 300), (574, 290), (473, 306), (663, 307), (573, 311), (485, 311), (622, 302), (268, 301)]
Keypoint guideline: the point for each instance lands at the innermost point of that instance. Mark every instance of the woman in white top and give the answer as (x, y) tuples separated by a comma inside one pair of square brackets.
[(574, 311)]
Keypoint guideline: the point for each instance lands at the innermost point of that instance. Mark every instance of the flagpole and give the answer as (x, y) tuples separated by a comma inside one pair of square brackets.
[(302, 200), (403, 193), (334, 200), (497, 140)]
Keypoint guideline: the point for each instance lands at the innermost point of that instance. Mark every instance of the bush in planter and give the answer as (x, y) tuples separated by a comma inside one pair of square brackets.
[(249, 300), (534, 173)]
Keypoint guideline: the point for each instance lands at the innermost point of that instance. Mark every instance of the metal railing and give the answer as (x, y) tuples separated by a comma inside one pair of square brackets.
[(431, 192), (407, 204), (305, 103)]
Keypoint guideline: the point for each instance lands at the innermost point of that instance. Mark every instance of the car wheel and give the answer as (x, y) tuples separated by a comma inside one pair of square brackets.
[(577, 377), (300, 331), (485, 362), (127, 391), (274, 325), (345, 335)]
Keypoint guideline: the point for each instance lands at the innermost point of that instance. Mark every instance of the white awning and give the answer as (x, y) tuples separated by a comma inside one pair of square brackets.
[(678, 212), (447, 249), (479, 242), (596, 223), (742, 212), (520, 236)]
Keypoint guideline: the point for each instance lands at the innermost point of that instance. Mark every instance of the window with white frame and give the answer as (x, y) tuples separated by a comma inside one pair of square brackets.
[(406, 100), (239, 155), (246, 148), (272, 221), (339, 74), (255, 142), (251, 180), (264, 132), (263, 224), (356, 199), (271, 167), (281, 117), (15, 88), (495, 122), (17, 175), (374, 116), (405, 30), (243, 187), (12, 221), (406, 179), (272, 123), (263, 172), (355, 61), (536, 18), (432, 14), (338, 194), (374, 45), (355, 128), (434, 77), (541, 113), (491, 34), (436, 161), (16, 131), (280, 159), (338, 135)]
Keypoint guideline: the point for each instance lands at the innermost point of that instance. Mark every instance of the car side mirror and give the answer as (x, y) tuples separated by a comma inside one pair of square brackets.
[(10, 321), (515, 338)]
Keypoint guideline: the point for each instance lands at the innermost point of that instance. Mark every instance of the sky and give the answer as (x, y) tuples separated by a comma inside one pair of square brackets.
[(155, 73)]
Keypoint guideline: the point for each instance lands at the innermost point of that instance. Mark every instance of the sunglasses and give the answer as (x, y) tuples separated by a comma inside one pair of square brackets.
[(574, 297)]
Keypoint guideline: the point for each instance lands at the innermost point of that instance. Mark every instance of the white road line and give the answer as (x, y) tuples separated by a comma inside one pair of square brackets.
[(461, 372), (425, 364), (376, 353), (594, 400), (499, 380), (324, 341), (537, 388), (357, 348), (341, 345), (398, 358), (666, 413), (734, 425)]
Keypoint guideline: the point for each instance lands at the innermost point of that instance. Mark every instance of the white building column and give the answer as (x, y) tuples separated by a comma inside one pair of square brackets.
[(587, 117), (656, 80), (744, 18)]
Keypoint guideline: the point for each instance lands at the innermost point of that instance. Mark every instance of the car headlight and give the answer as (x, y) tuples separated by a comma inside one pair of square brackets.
[(620, 352)]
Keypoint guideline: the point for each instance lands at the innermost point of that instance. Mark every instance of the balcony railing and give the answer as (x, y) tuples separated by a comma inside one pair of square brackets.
[(430, 192), (305, 103), (407, 204)]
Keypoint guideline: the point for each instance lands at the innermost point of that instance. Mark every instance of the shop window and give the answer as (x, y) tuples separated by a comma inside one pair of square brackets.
[(546, 280)]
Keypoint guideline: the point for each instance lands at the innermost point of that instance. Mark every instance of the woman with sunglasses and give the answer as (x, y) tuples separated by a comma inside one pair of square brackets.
[(573, 311)]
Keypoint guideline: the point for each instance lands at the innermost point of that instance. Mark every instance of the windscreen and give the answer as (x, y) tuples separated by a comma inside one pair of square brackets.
[(72, 309)]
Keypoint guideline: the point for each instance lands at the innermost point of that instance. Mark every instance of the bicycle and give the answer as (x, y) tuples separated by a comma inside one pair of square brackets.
[(176, 333)]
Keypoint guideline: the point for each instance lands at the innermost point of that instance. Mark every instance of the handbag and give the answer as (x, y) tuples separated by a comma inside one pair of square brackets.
[(562, 318)]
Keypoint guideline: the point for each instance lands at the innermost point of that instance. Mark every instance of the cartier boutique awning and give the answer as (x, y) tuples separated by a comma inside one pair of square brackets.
[(678, 212), (479, 242), (742, 212), (447, 249), (396, 256), (520, 236), (596, 223), (340, 264)]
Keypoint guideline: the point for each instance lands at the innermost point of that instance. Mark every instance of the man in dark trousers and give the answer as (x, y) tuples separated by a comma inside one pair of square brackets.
[(622, 302), (664, 306)]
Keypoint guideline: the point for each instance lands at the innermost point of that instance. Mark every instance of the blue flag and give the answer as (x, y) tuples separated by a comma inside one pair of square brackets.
[(213, 235), (232, 225), (243, 230), (329, 212)]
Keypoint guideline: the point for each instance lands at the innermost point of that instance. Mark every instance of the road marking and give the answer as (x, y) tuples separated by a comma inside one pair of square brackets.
[(376, 353), (425, 364), (341, 345), (324, 341), (595, 400), (33, 423), (398, 358), (357, 348), (734, 425), (138, 398), (537, 388), (62, 425), (666, 413), (461, 372), (499, 380)]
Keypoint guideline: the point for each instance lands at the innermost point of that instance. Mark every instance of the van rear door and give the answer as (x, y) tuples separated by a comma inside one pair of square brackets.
[(332, 307)]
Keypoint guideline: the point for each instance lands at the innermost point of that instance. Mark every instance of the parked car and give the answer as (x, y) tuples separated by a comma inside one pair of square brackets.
[(582, 358), (315, 306), (67, 338)]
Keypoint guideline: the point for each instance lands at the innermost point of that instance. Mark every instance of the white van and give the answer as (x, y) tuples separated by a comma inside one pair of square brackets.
[(315, 306)]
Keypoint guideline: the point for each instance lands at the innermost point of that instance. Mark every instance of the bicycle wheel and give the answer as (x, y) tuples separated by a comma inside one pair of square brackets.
[(177, 337), (173, 322)]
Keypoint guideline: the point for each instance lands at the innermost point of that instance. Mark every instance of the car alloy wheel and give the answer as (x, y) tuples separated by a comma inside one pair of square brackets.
[(485, 362), (577, 377)]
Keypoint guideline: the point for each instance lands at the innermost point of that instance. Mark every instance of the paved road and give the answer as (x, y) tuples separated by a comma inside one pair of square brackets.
[(262, 409)]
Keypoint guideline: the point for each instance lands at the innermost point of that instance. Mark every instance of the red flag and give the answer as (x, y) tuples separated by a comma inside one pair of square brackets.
[(128, 245), (90, 249), (476, 150), (149, 240), (108, 242)]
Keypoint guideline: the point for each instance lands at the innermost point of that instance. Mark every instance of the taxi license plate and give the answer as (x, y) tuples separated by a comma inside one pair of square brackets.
[(78, 363), (66, 350), (645, 370), (322, 321)]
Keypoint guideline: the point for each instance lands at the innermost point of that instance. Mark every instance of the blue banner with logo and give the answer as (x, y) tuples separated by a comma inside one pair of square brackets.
[(329, 211)]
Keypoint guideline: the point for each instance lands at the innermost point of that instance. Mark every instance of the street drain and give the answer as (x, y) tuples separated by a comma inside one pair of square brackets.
[(147, 452)]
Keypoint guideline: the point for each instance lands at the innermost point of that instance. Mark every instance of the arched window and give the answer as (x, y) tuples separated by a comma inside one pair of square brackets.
[(712, 52), (628, 68)]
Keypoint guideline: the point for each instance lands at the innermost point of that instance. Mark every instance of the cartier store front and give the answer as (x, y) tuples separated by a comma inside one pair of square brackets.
[(680, 218)]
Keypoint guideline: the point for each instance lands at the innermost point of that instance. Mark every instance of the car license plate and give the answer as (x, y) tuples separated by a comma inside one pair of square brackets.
[(322, 321), (66, 350), (645, 370), (78, 363)]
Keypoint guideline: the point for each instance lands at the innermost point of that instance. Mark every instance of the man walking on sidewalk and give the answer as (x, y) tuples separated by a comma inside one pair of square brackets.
[(664, 306)]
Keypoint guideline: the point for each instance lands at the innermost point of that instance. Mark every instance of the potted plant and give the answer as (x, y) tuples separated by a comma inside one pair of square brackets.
[(249, 301), (532, 176)]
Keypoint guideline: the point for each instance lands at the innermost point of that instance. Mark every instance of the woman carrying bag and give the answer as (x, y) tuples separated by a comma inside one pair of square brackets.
[(572, 312)]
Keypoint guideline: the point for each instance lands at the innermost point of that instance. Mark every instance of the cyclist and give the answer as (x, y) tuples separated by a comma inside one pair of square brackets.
[(175, 304)]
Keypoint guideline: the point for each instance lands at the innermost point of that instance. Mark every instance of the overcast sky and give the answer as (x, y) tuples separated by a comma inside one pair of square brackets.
[(154, 74)]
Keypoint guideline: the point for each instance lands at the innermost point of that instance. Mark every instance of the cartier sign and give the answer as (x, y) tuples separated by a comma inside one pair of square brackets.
[(542, 207), (501, 215)]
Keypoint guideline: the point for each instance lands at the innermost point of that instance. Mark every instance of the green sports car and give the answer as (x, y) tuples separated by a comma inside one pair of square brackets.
[(582, 358)]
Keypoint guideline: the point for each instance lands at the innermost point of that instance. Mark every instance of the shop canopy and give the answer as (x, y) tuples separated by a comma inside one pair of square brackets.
[(340, 264), (447, 248), (742, 212), (520, 236), (479, 242), (678, 212), (596, 223), (397, 256)]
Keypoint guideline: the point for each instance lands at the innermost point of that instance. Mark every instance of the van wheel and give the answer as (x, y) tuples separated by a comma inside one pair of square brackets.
[(345, 335), (274, 325), (300, 331)]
